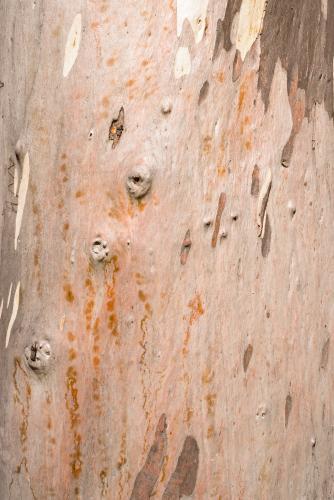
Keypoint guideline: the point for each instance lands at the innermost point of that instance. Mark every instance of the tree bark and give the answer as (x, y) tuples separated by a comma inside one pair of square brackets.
[(167, 246)]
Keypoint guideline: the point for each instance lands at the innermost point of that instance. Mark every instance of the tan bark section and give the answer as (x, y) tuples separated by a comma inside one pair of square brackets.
[(168, 346)]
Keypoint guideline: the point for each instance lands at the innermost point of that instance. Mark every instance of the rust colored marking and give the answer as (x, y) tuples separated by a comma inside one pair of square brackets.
[(221, 206), (149, 474), (72, 405), (247, 356), (68, 293), (183, 479), (288, 407), (255, 187), (185, 248), (116, 128)]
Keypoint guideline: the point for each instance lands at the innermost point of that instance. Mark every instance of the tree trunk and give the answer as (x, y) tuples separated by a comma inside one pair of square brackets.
[(167, 249)]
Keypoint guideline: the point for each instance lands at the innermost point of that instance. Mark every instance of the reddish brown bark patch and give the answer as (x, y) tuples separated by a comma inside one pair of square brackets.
[(183, 479), (149, 474)]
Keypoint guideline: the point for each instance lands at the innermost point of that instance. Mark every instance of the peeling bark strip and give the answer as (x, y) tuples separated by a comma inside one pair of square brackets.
[(149, 474), (183, 479), (116, 128), (221, 206), (185, 248), (262, 204)]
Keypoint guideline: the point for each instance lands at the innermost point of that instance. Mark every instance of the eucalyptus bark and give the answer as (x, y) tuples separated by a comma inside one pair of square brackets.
[(167, 246)]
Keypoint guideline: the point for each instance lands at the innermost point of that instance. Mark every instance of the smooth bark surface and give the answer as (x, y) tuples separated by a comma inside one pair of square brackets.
[(167, 245)]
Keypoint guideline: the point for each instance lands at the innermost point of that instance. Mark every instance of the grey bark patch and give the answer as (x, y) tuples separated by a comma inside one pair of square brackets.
[(266, 240), (304, 43), (203, 93), (149, 474), (288, 407), (298, 35), (325, 355), (183, 479), (247, 357), (219, 39), (255, 187), (233, 6)]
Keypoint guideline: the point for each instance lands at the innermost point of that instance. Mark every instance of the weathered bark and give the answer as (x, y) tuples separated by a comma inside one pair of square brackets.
[(166, 283)]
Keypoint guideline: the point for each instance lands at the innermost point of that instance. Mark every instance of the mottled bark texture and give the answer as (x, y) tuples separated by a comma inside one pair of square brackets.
[(167, 249)]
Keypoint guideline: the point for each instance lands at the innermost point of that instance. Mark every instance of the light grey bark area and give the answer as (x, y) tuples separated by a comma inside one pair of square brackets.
[(167, 246)]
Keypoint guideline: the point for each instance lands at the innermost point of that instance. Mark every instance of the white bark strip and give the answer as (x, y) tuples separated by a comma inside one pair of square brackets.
[(22, 197), (14, 312), (182, 62), (250, 24), (72, 45), (195, 12), (9, 294), (262, 203)]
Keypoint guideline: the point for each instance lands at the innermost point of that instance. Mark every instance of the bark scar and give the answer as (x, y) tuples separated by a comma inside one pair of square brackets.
[(116, 128)]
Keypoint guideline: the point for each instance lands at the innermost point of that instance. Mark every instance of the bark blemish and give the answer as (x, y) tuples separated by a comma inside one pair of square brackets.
[(219, 39), (116, 128), (266, 237), (149, 474), (237, 66), (183, 479), (324, 355), (288, 407), (247, 357), (72, 405), (203, 92), (185, 248), (255, 187), (221, 206)]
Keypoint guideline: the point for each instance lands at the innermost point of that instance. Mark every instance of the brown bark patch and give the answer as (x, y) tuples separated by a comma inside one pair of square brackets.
[(185, 248), (266, 240), (233, 6), (221, 206), (247, 357), (324, 355), (288, 408), (255, 187), (183, 479), (203, 92), (149, 474)]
